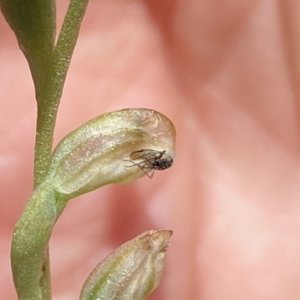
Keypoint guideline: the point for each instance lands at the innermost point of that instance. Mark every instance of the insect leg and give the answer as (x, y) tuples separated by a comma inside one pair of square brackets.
[(143, 166)]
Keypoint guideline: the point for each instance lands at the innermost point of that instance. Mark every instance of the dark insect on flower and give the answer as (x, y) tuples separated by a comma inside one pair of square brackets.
[(148, 159)]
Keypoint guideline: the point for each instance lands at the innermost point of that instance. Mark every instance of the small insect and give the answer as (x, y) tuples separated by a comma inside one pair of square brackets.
[(151, 160)]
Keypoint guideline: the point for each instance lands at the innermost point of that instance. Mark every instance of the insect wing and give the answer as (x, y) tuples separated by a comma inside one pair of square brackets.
[(147, 154), (137, 155)]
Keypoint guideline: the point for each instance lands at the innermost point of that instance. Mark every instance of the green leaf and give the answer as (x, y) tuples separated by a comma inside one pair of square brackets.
[(33, 23), (132, 271)]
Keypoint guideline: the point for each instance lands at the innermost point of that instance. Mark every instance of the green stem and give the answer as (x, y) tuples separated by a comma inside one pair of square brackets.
[(52, 91), (29, 253)]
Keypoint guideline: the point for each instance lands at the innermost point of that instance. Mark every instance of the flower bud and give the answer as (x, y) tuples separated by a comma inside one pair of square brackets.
[(98, 152), (132, 271)]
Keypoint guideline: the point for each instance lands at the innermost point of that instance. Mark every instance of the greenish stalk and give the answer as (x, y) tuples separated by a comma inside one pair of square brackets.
[(48, 107), (29, 253), (51, 92), (48, 101)]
